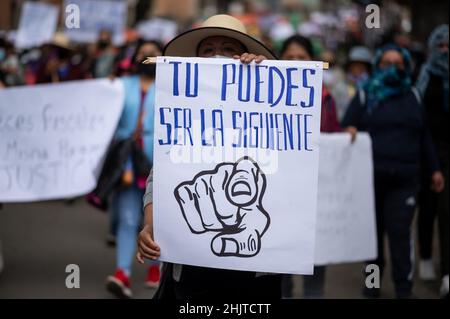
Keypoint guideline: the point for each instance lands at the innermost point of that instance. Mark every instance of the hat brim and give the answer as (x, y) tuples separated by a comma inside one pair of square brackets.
[(186, 44), (61, 46)]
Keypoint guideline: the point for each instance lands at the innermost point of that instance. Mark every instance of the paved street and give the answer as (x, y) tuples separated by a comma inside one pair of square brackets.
[(40, 239)]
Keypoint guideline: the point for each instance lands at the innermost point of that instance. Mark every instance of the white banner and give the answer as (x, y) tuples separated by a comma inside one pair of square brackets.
[(346, 225), (96, 15), (236, 163), (37, 25), (159, 29), (53, 138)]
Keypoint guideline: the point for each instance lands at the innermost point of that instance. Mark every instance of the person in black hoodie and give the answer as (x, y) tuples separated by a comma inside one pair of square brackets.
[(389, 109), (433, 86)]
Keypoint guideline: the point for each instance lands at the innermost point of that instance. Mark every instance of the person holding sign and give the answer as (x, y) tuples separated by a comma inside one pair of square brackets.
[(220, 36), (389, 108), (433, 85)]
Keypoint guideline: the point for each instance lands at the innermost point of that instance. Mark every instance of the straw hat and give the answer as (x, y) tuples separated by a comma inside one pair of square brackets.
[(60, 40), (186, 44)]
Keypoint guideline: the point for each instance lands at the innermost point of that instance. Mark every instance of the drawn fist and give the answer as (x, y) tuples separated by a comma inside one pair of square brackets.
[(227, 200)]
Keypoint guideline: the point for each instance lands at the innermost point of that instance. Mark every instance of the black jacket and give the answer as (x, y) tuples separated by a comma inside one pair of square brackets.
[(117, 155), (400, 135)]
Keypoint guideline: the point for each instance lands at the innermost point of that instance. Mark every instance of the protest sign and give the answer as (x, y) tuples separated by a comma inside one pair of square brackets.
[(346, 225), (96, 15), (53, 138), (236, 163), (37, 24), (159, 29)]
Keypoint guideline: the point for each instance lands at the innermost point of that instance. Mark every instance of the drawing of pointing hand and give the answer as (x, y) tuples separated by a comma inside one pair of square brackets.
[(227, 200)]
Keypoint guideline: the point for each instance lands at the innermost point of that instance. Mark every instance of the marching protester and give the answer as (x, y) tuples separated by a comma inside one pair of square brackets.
[(105, 55), (358, 70), (390, 110), (136, 126), (11, 70), (361, 92), (225, 37), (359, 66), (300, 48), (433, 87), (56, 63), (355, 72)]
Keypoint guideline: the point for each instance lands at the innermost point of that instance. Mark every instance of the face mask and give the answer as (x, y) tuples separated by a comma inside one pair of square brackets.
[(440, 60), (148, 70), (359, 79), (103, 44), (392, 76), (63, 71)]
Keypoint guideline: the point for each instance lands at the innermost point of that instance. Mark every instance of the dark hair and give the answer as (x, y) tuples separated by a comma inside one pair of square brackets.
[(301, 41), (142, 42), (7, 45), (407, 60)]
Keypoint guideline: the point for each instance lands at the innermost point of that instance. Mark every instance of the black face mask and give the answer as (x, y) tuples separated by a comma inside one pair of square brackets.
[(394, 77), (148, 70), (103, 44)]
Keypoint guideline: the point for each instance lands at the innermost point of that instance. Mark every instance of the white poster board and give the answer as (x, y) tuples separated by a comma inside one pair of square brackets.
[(236, 163), (37, 24), (53, 138), (96, 15), (346, 224), (159, 29)]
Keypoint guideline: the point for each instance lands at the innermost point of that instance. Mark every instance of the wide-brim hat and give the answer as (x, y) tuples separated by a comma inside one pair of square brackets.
[(186, 44), (61, 41)]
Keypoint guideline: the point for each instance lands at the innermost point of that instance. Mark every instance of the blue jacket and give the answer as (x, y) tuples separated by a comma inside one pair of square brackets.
[(129, 118), (401, 140)]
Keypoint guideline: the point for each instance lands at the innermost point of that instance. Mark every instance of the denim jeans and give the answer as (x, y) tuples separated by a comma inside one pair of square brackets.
[(127, 208)]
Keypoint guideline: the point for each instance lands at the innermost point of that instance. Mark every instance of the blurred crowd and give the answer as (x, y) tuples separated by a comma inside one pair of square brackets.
[(389, 85)]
